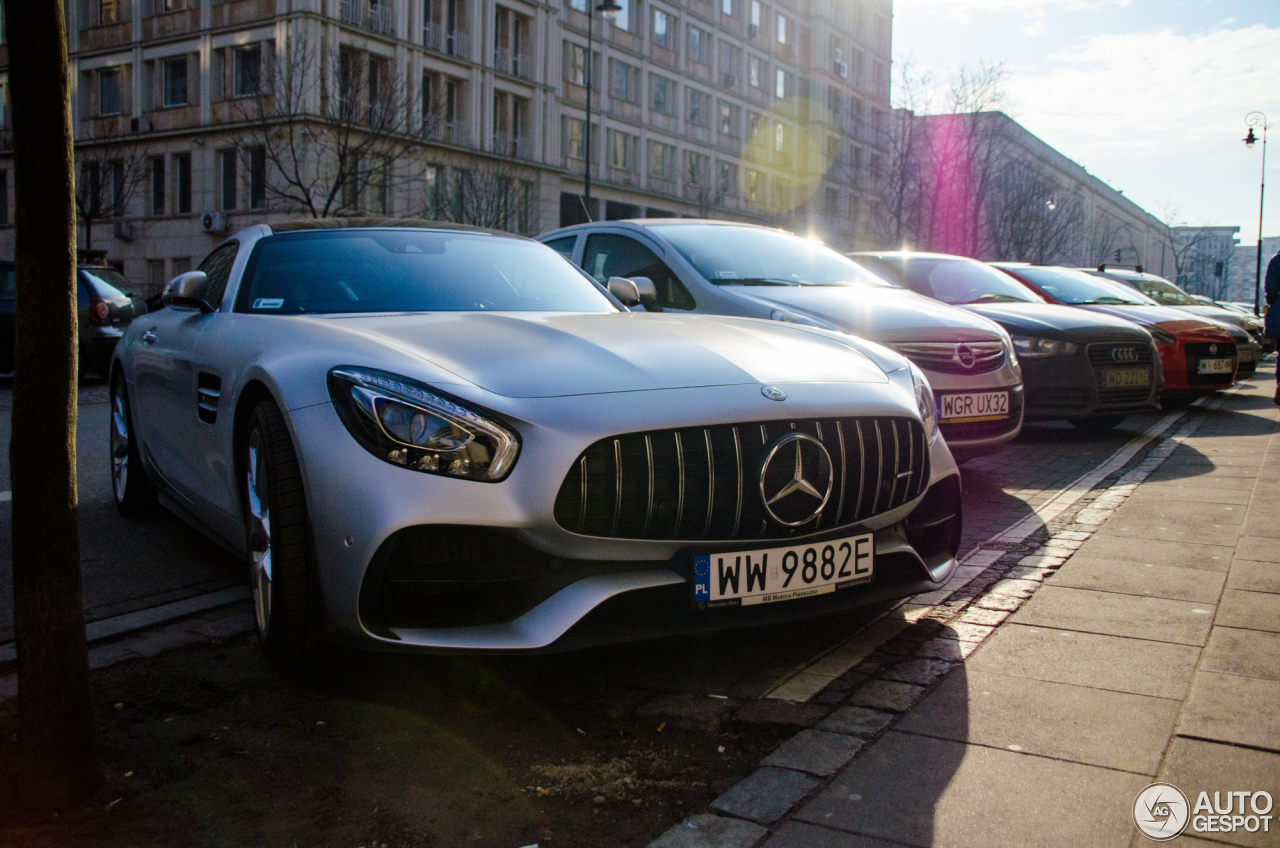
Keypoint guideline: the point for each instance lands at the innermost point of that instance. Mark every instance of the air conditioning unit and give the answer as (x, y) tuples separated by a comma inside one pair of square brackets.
[(214, 222), (842, 70), (123, 229)]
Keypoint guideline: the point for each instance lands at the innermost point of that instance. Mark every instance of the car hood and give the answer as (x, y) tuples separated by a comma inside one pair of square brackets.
[(1039, 317), (1168, 318), (530, 355), (881, 314), (1217, 313)]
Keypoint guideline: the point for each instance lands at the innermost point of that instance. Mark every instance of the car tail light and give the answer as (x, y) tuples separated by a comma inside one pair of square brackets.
[(98, 312)]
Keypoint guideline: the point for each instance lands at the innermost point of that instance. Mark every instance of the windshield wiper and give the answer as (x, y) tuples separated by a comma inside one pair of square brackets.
[(1103, 300), (995, 296), (759, 281)]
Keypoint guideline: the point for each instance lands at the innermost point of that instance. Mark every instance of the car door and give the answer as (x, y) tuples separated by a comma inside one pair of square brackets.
[(613, 254), (165, 391)]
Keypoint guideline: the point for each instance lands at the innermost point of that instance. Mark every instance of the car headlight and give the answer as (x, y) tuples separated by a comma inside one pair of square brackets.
[(923, 392), (1032, 347), (406, 423), (796, 318), (1163, 337)]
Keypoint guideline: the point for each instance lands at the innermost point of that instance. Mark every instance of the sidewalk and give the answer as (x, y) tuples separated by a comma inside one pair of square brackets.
[(1140, 642)]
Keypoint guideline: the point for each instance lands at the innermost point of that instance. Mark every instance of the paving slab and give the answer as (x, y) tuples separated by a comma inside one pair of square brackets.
[(1180, 476), (1181, 554), (770, 711), (1114, 614), (921, 672), (1196, 766), (707, 831), (1253, 610), (1255, 576), (1140, 578), (886, 695), (794, 834), (766, 795), (1245, 653), (1137, 666), (1237, 710), (1262, 525), (917, 790), (964, 632), (1258, 549), (1153, 507), (1050, 719), (1171, 531), (856, 721), (1199, 494), (815, 751)]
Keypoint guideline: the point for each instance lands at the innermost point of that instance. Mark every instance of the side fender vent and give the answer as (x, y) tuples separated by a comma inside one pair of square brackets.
[(208, 392)]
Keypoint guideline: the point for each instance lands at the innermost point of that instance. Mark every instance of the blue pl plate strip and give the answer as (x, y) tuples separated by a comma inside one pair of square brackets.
[(702, 577)]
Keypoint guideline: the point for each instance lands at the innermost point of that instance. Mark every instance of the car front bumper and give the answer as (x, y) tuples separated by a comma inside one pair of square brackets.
[(571, 590)]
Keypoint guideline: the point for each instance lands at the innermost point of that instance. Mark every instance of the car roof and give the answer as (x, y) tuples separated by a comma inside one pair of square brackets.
[(913, 254), (357, 223)]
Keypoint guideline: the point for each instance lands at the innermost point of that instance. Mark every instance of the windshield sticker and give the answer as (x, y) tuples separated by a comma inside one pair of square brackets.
[(268, 303), (726, 275)]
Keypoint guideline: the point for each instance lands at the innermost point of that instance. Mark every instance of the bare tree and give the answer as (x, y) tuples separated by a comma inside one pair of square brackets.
[(57, 763), (900, 183), (1104, 237), (487, 192), (327, 129), (112, 170), (1029, 216)]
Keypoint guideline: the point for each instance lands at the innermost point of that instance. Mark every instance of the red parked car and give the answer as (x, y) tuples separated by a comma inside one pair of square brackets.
[(1198, 358)]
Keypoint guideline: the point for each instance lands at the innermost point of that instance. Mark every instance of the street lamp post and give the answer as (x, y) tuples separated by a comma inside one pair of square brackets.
[(1258, 119), (608, 10)]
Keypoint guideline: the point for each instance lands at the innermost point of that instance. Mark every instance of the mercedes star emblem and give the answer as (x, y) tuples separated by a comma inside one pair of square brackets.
[(796, 479), (773, 393)]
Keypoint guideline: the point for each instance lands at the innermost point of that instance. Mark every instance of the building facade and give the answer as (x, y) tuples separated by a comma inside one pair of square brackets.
[(194, 118), (1244, 273), (1205, 261)]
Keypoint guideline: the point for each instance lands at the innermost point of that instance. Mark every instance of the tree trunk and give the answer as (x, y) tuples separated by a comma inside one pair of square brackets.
[(58, 759)]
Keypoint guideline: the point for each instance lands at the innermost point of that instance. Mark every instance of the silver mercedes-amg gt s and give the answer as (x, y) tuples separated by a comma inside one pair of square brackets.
[(436, 437)]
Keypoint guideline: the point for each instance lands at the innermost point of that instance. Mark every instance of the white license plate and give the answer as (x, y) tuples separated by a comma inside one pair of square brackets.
[(1250, 355), (783, 574), (1216, 366), (1125, 378), (981, 406)]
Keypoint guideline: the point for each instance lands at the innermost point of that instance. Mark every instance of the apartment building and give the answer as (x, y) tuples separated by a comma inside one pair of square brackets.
[(194, 118)]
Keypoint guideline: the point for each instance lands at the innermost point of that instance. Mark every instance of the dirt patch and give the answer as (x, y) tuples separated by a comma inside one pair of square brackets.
[(212, 746)]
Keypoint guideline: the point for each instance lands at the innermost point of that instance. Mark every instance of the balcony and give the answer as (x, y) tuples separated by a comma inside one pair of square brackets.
[(241, 11), (704, 10), (624, 109), (662, 185), (697, 70), (663, 121), (622, 177), (448, 132), (517, 146), (373, 17), (697, 132), (170, 23), (436, 37), (518, 65), (107, 35)]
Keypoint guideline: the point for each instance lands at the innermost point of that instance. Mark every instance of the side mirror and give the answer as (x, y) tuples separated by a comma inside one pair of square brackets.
[(188, 290), (635, 290)]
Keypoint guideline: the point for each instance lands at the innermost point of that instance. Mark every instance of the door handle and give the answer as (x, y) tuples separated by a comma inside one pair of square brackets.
[(150, 336)]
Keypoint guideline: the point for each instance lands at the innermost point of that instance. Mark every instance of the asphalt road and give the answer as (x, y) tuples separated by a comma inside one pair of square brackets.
[(131, 565)]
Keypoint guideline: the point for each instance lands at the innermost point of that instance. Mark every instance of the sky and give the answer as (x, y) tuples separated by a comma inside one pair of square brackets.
[(1148, 95)]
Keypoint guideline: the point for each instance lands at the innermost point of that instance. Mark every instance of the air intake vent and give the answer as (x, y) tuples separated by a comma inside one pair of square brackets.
[(705, 482)]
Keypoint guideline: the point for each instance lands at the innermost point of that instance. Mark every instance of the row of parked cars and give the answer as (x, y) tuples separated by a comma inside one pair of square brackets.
[(427, 436)]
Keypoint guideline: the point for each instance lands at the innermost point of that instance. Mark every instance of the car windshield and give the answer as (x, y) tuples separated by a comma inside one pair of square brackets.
[(964, 281), (1162, 292), (752, 256), (402, 270), (107, 283), (1079, 288)]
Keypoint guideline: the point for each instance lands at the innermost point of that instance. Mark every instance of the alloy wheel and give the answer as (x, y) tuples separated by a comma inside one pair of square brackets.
[(119, 445), (259, 531)]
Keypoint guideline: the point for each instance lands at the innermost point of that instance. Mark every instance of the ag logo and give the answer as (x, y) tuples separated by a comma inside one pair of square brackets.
[(1161, 812)]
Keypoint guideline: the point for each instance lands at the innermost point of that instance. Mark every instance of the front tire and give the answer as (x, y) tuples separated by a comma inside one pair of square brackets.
[(1098, 423), (287, 611), (135, 496)]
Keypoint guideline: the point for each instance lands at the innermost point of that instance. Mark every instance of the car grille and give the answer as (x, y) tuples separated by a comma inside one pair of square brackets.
[(1066, 398), (1200, 350), (949, 358), (964, 431), (1104, 357), (704, 483)]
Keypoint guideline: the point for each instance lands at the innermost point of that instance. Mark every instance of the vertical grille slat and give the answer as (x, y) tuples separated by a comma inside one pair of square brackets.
[(650, 485)]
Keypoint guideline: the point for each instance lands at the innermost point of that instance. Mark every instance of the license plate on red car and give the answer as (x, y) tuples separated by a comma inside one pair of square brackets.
[(1216, 366)]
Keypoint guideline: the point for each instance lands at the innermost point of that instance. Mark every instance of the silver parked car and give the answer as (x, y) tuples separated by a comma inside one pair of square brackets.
[(727, 268), (435, 437)]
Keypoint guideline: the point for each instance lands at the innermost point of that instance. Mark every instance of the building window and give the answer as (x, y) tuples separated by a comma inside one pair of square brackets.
[(697, 112), (257, 177), (833, 204), (248, 66), (620, 155), (780, 83), (699, 46), (157, 185), (726, 178), (756, 10), (753, 186), (228, 162), (575, 138), (182, 164), (726, 6), (662, 89), (433, 190), (579, 5), (695, 168), (661, 29), (779, 137), (725, 119), (623, 21), (175, 81), (109, 92), (659, 160), (576, 67), (108, 11), (155, 274), (622, 88), (754, 72), (782, 29)]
